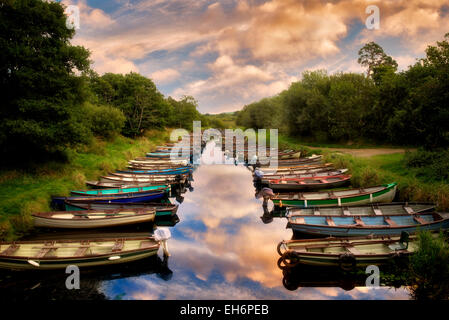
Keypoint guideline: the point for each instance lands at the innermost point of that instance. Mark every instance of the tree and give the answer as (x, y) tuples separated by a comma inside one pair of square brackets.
[(372, 56), (41, 93)]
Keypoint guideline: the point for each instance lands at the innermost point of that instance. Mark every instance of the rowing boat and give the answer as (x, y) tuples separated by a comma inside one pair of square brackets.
[(148, 175), (167, 171), (121, 191), (265, 178), (162, 209), (350, 226), (313, 183), (146, 179), (376, 209), (346, 253), (297, 169), (126, 198), (119, 185), (43, 255), (93, 218), (349, 197), (148, 161)]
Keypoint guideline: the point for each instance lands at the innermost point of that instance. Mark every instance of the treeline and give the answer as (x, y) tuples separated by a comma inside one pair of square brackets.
[(53, 101), (384, 106)]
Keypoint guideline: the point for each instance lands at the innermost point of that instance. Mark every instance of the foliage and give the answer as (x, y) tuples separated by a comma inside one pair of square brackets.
[(184, 112), (373, 56), (104, 121), (41, 93), (430, 165), (429, 267)]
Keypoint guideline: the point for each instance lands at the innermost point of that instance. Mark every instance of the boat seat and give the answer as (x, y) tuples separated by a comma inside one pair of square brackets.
[(300, 220), (346, 211), (81, 251), (353, 250), (409, 210), (377, 211), (316, 212), (330, 222), (419, 220), (118, 246), (359, 222), (146, 244), (43, 252), (10, 250), (390, 222)]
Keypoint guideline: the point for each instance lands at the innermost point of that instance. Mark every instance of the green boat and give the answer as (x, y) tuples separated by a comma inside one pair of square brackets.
[(120, 191), (350, 197)]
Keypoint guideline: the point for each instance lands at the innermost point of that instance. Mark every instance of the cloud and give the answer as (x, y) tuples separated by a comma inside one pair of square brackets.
[(228, 53), (165, 75)]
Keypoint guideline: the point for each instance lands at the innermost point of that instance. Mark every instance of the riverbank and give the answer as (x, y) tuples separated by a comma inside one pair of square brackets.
[(23, 192), (374, 166)]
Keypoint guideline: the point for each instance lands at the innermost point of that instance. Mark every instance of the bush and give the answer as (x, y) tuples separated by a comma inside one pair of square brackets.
[(104, 121), (431, 165), (429, 267)]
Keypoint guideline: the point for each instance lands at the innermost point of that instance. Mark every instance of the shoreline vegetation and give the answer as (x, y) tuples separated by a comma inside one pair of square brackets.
[(24, 191)]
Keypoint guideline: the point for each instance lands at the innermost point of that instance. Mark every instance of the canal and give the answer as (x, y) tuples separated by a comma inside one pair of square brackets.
[(221, 248)]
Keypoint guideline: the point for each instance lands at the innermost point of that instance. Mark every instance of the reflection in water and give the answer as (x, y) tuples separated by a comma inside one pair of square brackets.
[(220, 249)]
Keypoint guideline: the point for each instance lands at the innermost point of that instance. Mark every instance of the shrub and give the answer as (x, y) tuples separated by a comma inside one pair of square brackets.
[(429, 267), (105, 121), (430, 165)]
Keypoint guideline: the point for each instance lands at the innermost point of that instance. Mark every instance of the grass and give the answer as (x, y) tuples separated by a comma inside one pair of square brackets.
[(23, 192)]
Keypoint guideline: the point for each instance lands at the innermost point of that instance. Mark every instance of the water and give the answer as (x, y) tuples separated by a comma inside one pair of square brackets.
[(220, 249)]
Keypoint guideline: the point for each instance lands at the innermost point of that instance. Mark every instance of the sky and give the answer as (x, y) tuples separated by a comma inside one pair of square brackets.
[(230, 53)]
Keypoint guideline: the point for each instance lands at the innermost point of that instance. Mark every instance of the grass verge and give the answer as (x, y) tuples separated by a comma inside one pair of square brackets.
[(24, 191)]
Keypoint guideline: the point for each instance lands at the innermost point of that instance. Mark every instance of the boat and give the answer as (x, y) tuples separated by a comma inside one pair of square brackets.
[(126, 198), (375, 209), (167, 155), (148, 175), (46, 255), (265, 178), (346, 253), (149, 161), (162, 209), (119, 185), (313, 183), (180, 179), (349, 197), (120, 191), (297, 169), (93, 218), (270, 162), (350, 226), (154, 166), (157, 172)]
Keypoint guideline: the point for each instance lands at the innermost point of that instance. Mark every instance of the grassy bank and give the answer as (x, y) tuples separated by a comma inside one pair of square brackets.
[(25, 191), (379, 169)]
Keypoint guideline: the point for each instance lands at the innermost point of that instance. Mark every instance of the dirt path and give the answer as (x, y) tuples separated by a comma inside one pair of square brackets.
[(365, 153)]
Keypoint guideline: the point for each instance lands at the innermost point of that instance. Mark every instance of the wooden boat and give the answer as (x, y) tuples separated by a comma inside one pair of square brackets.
[(168, 171), (119, 185), (126, 198), (148, 175), (315, 159), (166, 155), (265, 178), (43, 255), (162, 209), (297, 169), (148, 161), (376, 209), (350, 226), (350, 197), (146, 179), (154, 166), (313, 183), (346, 253), (120, 191), (87, 219)]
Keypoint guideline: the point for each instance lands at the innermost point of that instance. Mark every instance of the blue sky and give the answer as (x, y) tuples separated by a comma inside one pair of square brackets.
[(229, 53)]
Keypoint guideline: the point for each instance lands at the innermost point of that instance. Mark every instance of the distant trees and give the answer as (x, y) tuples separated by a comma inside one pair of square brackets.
[(409, 107)]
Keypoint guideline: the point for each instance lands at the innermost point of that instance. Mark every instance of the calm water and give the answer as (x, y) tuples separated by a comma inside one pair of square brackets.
[(220, 249)]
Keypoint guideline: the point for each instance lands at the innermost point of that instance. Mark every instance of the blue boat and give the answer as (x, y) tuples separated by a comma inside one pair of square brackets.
[(121, 191), (125, 198), (368, 225), (164, 155)]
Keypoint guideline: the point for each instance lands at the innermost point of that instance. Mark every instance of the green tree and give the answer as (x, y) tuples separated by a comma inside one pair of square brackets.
[(41, 92), (373, 56)]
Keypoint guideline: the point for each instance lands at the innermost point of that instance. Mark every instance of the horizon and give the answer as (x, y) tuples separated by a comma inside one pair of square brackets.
[(229, 53)]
